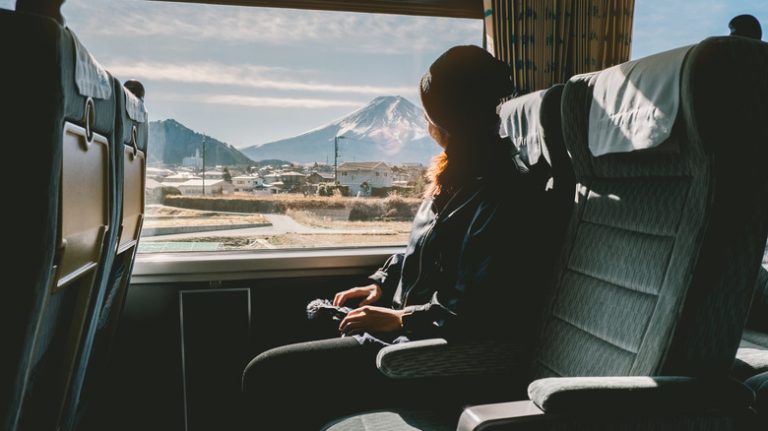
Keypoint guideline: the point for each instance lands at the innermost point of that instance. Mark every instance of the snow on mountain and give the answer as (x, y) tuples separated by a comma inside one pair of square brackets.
[(389, 129)]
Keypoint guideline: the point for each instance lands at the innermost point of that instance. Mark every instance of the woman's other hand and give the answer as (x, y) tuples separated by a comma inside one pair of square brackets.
[(370, 294), (372, 319)]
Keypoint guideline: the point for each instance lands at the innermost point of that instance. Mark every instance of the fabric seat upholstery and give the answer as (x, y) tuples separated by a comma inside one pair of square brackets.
[(661, 253), (129, 161), (752, 356), (540, 112), (47, 315)]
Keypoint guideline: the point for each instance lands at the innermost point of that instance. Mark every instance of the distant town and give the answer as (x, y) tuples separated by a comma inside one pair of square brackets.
[(362, 154), (358, 179)]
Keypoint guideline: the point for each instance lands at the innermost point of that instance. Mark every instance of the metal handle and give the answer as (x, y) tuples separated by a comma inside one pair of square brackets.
[(134, 140), (90, 119)]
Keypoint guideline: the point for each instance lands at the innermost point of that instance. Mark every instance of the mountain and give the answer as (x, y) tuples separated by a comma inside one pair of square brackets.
[(389, 128), (170, 141)]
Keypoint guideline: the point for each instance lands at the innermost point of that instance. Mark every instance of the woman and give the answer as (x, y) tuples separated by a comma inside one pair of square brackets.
[(470, 257)]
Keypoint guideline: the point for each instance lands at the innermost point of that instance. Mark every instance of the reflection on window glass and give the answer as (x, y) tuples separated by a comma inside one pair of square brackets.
[(274, 128)]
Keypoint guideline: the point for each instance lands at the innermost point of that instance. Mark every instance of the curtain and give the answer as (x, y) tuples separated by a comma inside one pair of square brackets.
[(548, 41)]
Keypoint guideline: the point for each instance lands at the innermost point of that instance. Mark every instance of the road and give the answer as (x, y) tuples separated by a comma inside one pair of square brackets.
[(281, 224)]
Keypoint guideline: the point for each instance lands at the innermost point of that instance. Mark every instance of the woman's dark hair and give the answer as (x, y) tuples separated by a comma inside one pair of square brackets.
[(747, 26), (49, 8), (460, 93)]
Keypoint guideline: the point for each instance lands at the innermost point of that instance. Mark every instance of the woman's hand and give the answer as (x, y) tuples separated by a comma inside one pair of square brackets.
[(372, 319), (371, 294)]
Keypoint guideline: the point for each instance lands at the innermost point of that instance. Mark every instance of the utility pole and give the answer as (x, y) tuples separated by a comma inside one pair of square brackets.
[(336, 158), (204, 165)]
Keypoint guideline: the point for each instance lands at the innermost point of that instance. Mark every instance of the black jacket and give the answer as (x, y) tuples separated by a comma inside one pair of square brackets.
[(473, 268)]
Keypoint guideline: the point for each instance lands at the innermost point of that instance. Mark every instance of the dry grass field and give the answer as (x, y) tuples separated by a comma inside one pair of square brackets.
[(158, 216), (298, 241), (339, 219), (329, 221), (281, 203)]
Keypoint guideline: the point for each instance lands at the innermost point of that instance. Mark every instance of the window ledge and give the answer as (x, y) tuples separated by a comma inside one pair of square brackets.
[(215, 266)]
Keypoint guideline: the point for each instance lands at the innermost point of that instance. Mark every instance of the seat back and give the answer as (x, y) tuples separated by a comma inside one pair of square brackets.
[(62, 116), (533, 123), (758, 314), (130, 166), (661, 252)]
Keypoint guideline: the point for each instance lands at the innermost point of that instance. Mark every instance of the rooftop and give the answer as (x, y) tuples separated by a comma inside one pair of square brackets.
[(199, 183), (360, 166)]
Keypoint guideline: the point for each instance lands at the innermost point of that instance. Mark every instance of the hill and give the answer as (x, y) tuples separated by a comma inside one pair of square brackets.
[(171, 141)]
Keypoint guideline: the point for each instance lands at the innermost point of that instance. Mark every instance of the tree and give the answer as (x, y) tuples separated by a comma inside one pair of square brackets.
[(227, 176)]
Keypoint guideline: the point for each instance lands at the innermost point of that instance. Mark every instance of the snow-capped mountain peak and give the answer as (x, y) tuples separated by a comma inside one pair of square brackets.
[(389, 121), (389, 128)]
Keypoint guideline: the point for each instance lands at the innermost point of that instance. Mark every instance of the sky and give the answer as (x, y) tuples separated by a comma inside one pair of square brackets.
[(253, 75)]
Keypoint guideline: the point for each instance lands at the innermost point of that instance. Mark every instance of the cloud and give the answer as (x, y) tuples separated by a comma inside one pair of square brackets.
[(278, 102), (259, 102), (241, 75), (384, 34)]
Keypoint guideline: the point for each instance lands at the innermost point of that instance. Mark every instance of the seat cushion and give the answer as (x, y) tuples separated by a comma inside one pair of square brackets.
[(759, 384), (758, 314), (754, 339), (749, 362), (400, 420), (752, 356)]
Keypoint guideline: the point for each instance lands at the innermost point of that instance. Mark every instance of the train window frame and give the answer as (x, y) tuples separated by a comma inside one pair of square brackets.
[(442, 9)]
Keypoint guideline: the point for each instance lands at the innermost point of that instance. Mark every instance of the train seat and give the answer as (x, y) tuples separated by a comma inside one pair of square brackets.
[(658, 269), (61, 116), (129, 161)]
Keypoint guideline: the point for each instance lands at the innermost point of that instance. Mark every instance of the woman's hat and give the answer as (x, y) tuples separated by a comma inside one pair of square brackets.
[(463, 86)]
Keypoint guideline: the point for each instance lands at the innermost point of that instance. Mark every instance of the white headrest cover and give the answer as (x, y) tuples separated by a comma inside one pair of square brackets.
[(134, 107), (520, 121), (635, 104), (91, 78)]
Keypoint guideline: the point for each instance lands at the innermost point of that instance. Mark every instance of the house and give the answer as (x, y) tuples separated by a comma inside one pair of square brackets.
[(247, 183), (193, 161), (214, 175), (181, 177), (212, 187), (158, 173), (155, 192), (317, 178), (292, 180), (271, 178), (362, 177), (409, 172), (269, 189)]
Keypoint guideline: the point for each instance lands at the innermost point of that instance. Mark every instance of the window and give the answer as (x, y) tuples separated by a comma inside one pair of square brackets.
[(662, 25), (282, 101)]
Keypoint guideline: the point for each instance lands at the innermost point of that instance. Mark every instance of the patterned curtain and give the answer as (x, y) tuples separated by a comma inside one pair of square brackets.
[(548, 41)]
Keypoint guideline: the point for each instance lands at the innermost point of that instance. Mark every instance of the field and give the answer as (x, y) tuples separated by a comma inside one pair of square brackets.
[(162, 216), (280, 203), (339, 219), (277, 221)]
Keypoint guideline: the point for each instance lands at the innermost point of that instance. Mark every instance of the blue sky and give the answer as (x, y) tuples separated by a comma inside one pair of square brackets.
[(664, 24), (252, 75)]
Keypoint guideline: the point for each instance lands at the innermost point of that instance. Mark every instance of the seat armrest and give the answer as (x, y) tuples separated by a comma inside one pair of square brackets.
[(520, 414), (436, 357), (580, 395), (618, 403), (759, 384)]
